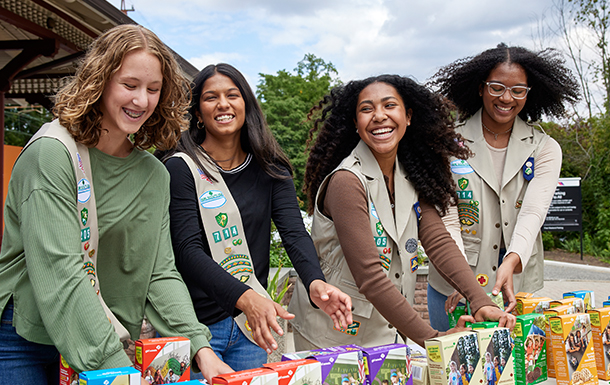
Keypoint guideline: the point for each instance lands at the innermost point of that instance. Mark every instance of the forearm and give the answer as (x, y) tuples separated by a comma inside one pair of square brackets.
[(448, 259)]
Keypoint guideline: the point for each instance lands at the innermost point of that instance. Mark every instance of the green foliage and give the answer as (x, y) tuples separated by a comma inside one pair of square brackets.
[(21, 123), (548, 240), (277, 254), (286, 99), (272, 287)]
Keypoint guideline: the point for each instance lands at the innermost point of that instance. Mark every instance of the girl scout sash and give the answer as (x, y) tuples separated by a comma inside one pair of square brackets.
[(224, 230), (86, 209)]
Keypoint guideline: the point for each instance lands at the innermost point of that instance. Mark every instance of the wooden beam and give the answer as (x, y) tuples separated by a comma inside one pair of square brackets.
[(32, 50)]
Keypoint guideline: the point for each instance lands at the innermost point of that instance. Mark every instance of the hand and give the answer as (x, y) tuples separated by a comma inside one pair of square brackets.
[(461, 324), (504, 279), (452, 301), (333, 302), (262, 314), (210, 365), (493, 313)]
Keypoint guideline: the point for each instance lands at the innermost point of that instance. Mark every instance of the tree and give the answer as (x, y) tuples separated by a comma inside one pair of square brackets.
[(20, 124), (286, 99)]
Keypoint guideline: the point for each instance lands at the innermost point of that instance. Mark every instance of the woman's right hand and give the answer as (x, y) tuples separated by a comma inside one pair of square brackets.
[(461, 324), (262, 314), (452, 302)]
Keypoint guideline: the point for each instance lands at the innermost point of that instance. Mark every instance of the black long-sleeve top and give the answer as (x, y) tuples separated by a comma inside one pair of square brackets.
[(259, 198)]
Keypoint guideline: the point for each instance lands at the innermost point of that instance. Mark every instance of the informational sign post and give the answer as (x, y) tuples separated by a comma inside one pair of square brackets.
[(565, 212)]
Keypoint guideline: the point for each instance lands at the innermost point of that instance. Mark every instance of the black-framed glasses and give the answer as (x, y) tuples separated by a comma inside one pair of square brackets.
[(498, 89)]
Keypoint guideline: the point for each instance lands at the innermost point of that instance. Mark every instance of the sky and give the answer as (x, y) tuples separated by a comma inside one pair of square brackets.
[(361, 38)]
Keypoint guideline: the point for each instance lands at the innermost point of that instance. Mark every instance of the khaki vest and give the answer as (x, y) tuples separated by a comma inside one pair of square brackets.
[(86, 209), (396, 241), (224, 229), (488, 214)]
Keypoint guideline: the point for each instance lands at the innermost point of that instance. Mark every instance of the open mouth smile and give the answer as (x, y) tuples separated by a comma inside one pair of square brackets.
[(224, 118), (133, 114)]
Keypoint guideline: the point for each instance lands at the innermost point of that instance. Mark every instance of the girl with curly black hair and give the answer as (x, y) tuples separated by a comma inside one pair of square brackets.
[(505, 189), (377, 173)]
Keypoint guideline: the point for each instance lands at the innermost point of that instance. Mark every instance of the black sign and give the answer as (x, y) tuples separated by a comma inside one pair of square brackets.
[(565, 212)]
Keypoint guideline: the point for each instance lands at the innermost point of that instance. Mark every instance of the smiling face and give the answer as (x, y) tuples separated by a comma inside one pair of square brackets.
[(381, 119), (222, 109), (500, 111), (131, 95)]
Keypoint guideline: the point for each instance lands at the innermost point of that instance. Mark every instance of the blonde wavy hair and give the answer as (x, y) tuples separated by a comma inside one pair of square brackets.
[(77, 104)]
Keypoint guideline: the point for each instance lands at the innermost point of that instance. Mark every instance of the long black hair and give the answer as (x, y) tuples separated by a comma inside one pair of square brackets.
[(255, 137), (551, 82), (424, 150)]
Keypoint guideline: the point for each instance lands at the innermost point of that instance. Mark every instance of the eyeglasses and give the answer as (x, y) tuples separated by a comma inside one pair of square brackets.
[(498, 89)]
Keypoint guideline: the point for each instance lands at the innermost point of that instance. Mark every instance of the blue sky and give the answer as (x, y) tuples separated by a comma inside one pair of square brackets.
[(361, 38)]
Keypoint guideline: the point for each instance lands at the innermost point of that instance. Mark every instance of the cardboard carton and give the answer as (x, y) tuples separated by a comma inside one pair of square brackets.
[(118, 376), (163, 359), (259, 376), (523, 294), (573, 350), (600, 330), (554, 310), (496, 346), (587, 295), (532, 305), (530, 351), (297, 372), (388, 362), (340, 364), (448, 354), (67, 375), (577, 303)]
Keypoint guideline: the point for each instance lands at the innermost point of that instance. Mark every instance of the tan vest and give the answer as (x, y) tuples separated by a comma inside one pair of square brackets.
[(488, 214), (224, 230), (396, 241), (86, 209)]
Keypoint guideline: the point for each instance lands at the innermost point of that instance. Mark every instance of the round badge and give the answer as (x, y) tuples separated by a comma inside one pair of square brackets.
[(228, 250), (411, 245), (83, 188), (482, 279)]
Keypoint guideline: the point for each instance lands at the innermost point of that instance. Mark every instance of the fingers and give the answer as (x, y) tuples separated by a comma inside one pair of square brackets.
[(463, 319), (510, 295), (452, 302), (281, 312)]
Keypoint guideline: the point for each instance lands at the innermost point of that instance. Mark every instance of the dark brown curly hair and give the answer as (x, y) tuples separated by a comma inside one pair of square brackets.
[(77, 104), (551, 82), (424, 150)]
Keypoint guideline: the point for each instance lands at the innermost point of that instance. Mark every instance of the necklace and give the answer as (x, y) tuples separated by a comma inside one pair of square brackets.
[(493, 133)]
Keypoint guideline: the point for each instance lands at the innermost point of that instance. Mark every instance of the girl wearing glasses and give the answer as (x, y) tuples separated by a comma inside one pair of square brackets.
[(505, 189)]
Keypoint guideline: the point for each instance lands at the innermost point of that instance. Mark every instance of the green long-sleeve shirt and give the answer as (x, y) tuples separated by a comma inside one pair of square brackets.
[(41, 258)]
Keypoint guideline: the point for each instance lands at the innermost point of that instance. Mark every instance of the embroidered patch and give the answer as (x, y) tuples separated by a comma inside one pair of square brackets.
[(351, 329), (239, 266), (217, 236), (226, 233), (91, 253), (222, 219), (482, 279), (381, 241), (385, 261), (234, 231), (85, 234), (86, 246), (464, 194), (379, 228), (468, 212), (237, 242), (212, 199), (83, 188), (461, 167), (89, 268), (414, 264), (528, 169), (417, 209), (374, 211), (411, 245), (203, 176), (387, 250), (518, 204), (80, 163), (463, 183), (84, 216), (228, 250)]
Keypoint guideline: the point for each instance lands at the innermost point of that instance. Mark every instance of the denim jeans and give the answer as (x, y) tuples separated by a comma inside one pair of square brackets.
[(22, 361), (436, 310), (233, 347)]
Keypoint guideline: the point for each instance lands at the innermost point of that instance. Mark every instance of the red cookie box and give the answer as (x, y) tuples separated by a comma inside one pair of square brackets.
[(164, 359), (259, 376), (297, 372), (67, 375)]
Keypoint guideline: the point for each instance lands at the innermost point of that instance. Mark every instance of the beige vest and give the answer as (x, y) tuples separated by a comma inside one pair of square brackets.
[(86, 209), (396, 241), (488, 214), (224, 230)]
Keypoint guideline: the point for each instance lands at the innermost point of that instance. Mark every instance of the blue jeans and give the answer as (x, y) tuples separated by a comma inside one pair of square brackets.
[(436, 310), (22, 361), (233, 347)]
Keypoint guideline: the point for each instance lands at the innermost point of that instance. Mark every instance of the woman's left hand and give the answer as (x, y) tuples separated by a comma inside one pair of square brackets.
[(333, 302), (493, 313), (210, 365), (504, 279)]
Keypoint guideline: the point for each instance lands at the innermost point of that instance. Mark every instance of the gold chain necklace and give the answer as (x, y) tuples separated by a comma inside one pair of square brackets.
[(493, 133)]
